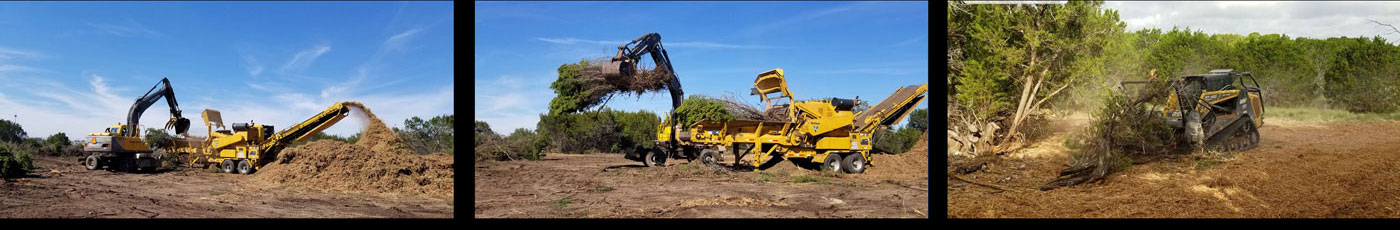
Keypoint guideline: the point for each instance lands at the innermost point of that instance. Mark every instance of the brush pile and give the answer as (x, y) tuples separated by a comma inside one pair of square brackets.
[(378, 162), (1124, 132)]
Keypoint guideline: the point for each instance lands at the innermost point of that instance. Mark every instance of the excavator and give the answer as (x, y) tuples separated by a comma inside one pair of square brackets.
[(624, 64), (120, 147), (248, 146)]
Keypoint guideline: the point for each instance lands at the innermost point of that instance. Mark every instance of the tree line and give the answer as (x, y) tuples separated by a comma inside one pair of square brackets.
[(1007, 62)]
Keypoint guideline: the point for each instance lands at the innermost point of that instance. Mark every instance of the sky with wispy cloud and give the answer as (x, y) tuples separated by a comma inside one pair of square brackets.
[(826, 49), (1313, 19), (76, 67)]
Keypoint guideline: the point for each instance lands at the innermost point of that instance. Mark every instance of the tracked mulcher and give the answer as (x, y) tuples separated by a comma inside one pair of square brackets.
[(1217, 110)]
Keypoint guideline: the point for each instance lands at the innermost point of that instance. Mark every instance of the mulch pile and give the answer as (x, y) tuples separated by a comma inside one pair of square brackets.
[(379, 162), (909, 165)]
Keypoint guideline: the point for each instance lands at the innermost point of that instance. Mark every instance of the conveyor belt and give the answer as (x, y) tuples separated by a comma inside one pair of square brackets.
[(892, 106)]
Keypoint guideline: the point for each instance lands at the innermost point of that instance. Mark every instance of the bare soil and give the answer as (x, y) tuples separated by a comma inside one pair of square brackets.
[(1300, 169), (61, 188), (609, 186)]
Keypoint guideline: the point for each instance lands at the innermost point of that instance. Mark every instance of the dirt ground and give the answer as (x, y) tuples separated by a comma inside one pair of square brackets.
[(61, 188), (1300, 169), (609, 186)]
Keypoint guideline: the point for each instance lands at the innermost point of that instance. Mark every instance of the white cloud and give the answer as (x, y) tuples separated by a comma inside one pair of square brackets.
[(398, 41), (911, 41), (56, 107), (17, 68), (254, 68), (1295, 19), (129, 29), (514, 101), (296, 105), (8, 53), (304, 58), (713, 45), (573, 41)]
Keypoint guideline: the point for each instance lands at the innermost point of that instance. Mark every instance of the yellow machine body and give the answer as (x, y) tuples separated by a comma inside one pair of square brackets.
[(814, 130)]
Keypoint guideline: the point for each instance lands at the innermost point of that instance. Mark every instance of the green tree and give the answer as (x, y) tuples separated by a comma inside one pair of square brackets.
[(158, 139), (428, 136), (11, 132), (919, 119), (571, 96), (696, 108), (1027, 50)]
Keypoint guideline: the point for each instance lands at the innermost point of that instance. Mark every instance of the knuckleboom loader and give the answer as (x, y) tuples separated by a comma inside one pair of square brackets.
[(119, 147)]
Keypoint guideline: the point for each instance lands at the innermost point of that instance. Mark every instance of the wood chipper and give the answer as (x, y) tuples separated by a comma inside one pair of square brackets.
[(248, 146), (830, 131)]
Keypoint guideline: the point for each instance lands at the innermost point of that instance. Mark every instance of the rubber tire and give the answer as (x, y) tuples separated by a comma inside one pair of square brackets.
[(93, 163), (832, 162), (710, 157), (854, 163), (226, 166), (244, 167), (126, 165), (655, 158)]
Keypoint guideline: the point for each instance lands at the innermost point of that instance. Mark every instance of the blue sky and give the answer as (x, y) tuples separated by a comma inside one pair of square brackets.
[(826, 49), (76, 67)]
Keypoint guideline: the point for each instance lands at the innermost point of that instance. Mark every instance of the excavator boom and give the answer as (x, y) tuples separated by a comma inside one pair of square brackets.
[(625, 63), (161, 89)]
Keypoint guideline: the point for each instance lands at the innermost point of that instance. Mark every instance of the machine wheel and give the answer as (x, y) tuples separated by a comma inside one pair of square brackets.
[(226, 166), (655, 158), (710, 157), (126, 165), (833, 163), (244, 167), (92, 163), (854, 163)]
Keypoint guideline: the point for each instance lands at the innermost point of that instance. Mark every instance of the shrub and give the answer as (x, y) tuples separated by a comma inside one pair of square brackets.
[(15, 161)]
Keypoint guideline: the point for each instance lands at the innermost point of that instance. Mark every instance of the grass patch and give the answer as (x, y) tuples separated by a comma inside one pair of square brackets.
[(601, 188), (810, 179), (1325, 115), (563, 203), (764, 177)]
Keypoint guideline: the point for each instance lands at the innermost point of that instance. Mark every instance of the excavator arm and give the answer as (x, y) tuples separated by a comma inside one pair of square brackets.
[(625, 63), (161, 89)]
